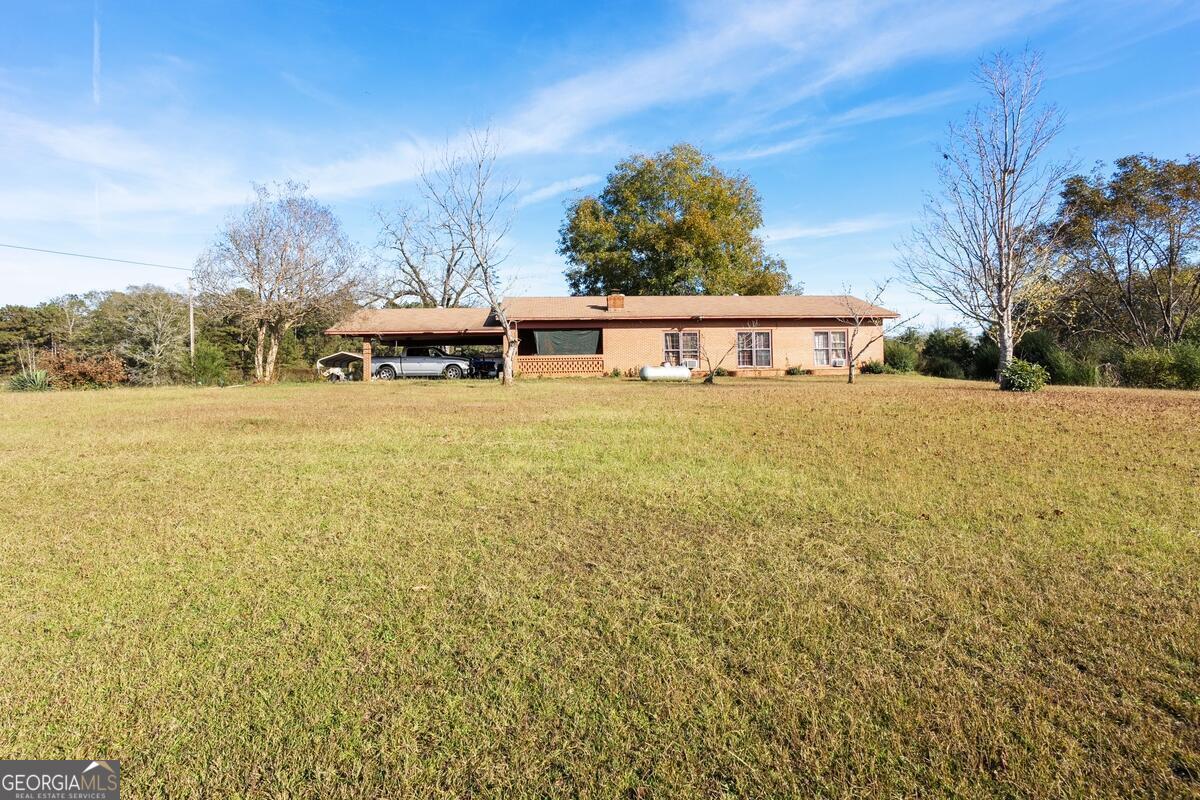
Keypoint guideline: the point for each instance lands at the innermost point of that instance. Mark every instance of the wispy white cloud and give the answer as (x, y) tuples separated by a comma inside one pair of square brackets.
[(83, 170), (826, 128), (775, 148), (556, 188), (808, 47), (828, 230), (311, 91)]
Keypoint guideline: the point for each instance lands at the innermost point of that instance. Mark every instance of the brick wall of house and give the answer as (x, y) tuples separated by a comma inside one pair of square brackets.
[(633, 344)]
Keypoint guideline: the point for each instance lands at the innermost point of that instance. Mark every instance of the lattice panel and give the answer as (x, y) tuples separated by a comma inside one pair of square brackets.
[(560, 365)]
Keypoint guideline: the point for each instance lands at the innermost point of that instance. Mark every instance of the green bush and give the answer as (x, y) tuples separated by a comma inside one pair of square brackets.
[(794, 371), (1039, 347), (209, 367), (36, 380), (899, 355), (720, 372), (1185, 365), (985, 360), (872, 368), (942, 367), (615, 373), (947, 346), (1148, 367), (1022, 376)]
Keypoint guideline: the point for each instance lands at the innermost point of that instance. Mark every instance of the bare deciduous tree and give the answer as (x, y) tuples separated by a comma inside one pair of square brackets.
[(981, 247), (153, 336), (864, 326), (283, 259), (474, 203), (424, 260)]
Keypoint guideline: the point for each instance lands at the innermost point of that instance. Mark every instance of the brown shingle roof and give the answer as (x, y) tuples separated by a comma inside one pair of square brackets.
[(691, 306), (370, 321)]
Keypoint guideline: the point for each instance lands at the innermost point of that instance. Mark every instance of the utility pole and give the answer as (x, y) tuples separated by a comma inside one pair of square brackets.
[(191, 323)]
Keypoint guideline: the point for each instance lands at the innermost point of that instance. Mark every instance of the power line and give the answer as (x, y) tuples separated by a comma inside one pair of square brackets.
[(95, 258)]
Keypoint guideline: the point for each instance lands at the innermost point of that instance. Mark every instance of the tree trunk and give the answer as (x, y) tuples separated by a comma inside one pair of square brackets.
[(1006, 347), (849, 370), (260, 353), (510, 358), (272, 354)]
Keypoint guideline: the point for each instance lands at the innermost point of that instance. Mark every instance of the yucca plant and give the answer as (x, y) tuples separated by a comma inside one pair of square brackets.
[(33, 380)]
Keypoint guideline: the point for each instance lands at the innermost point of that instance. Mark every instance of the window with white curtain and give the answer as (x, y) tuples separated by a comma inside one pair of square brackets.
[(681, 346), (828, 346), (754, 348)]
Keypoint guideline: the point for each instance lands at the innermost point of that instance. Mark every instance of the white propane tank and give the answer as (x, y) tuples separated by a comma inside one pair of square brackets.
[(666, 372)]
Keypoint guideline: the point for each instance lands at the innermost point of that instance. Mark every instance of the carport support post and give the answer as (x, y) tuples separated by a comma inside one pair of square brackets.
[(366, 359)]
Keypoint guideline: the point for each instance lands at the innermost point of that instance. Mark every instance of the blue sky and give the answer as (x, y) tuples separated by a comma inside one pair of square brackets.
[(130, 129)]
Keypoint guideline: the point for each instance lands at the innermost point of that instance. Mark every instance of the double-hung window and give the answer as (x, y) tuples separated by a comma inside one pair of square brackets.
[(828, 347), (681, 346), (754, 348)]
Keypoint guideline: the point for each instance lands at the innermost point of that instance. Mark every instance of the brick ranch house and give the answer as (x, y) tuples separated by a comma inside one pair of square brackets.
[(756, 335)]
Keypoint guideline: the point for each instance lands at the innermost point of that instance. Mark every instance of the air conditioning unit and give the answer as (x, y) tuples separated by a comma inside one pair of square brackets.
[(691, 363), (839, 362)]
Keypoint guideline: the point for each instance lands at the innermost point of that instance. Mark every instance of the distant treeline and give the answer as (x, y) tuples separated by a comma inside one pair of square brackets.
[(140, 336), (954, 353)]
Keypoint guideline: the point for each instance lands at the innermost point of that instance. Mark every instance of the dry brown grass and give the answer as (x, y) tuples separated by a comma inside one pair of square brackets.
[(598, 588)]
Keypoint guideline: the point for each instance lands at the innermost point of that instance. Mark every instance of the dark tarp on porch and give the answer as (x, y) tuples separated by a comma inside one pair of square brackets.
[(568, 342)]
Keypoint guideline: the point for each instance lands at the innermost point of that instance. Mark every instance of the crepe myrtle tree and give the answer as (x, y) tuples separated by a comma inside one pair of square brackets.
[(983, 246), (280, 261), (863, 324), (473, 203)]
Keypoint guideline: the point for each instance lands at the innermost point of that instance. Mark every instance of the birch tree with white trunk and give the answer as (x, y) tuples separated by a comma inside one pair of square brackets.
[(982, 244), (280, 261)]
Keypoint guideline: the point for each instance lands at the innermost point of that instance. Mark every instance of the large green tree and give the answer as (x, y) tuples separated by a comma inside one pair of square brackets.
[(1132, 250), (671, 223)]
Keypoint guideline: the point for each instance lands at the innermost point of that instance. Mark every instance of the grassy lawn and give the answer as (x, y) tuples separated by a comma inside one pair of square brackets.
[(605, 588)]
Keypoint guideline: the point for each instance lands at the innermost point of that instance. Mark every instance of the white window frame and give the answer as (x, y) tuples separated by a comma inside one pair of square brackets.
[(683, 354), (754, 350), (830, 351)]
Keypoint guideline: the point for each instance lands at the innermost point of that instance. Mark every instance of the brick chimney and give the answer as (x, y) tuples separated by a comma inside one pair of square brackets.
[(616, 302)]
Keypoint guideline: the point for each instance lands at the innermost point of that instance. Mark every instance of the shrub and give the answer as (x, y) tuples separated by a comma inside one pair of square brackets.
[(1185, 365), (899, 355), (1147, 367), (616, 372), (1022, 376), (75, 371), (942, 367), (208, 367), (985, 359), (872, 368), (720, 372), (31, 380), (794, 371), (1039, 347), (952, 345)]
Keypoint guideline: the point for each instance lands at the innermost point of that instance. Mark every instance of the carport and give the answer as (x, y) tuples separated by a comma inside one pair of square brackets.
[(406, 327), (342, 360)]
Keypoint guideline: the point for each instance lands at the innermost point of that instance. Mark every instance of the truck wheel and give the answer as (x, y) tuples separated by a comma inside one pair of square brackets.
[(386, 373), (452, 372)]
